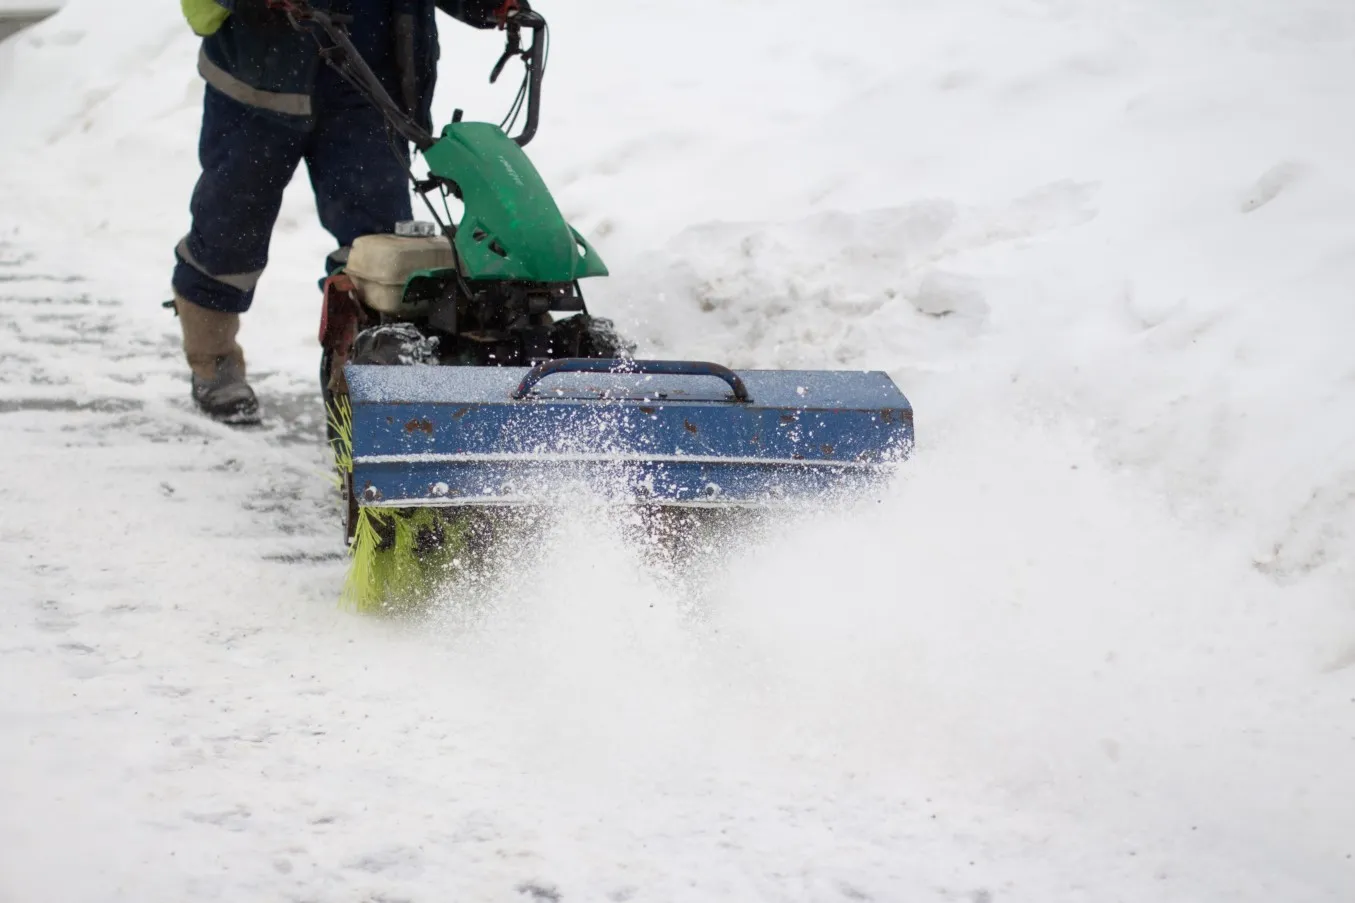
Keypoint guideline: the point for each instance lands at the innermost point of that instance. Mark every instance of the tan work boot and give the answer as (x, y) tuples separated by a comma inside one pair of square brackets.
[(217, 362)]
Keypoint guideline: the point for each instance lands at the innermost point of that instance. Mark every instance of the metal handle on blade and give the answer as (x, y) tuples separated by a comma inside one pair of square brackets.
[(621, 366)]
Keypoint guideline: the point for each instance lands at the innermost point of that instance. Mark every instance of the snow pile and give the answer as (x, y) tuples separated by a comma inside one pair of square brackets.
[(1098, 644)]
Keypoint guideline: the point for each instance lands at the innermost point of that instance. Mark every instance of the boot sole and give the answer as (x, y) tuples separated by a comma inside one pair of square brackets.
[(240, 417)]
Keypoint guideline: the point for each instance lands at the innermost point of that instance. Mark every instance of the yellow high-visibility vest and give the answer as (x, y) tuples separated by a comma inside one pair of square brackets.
[(205, 17)]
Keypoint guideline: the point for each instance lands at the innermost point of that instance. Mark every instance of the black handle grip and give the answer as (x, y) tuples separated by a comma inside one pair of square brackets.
[(618, 365), (535, 58)]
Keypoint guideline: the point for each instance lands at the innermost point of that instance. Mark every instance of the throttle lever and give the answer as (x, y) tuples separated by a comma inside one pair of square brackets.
[(513, 49)]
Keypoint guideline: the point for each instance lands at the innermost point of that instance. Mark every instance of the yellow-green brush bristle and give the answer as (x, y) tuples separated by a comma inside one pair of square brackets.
[(400, 576), (361, 589), (340, 417)]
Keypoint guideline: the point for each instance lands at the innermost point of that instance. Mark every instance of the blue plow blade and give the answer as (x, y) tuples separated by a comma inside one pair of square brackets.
[(684, 433)]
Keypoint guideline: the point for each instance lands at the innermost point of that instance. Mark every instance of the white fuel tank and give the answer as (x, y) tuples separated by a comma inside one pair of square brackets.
[(379, 265)]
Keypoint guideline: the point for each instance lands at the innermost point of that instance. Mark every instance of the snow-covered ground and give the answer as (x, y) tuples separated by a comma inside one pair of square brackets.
[(1097, 645)]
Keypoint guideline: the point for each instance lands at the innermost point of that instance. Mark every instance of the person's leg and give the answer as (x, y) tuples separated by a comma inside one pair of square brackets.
[(361, 186), (247, 161)]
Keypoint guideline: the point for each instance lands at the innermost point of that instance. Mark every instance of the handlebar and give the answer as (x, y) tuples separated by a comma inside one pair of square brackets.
[(534, 58), (349, 62), (528, 18)]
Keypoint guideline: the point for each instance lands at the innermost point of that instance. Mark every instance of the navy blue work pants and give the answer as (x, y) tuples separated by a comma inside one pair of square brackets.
[(361, 188)]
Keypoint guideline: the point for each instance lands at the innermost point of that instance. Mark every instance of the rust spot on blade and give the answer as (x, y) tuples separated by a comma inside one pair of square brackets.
[(827, 450), (459, 413), (902, 415), (648, 410), (690, 427), (787, 418), (416, 425)]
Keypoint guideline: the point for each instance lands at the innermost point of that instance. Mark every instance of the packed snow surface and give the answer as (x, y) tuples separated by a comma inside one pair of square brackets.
[(1097, 644)]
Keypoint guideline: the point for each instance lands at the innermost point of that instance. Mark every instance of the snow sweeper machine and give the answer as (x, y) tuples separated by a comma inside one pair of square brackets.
[(463, 373)]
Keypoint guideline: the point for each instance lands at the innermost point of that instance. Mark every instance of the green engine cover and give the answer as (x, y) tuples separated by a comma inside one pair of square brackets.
[(512, 228)]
